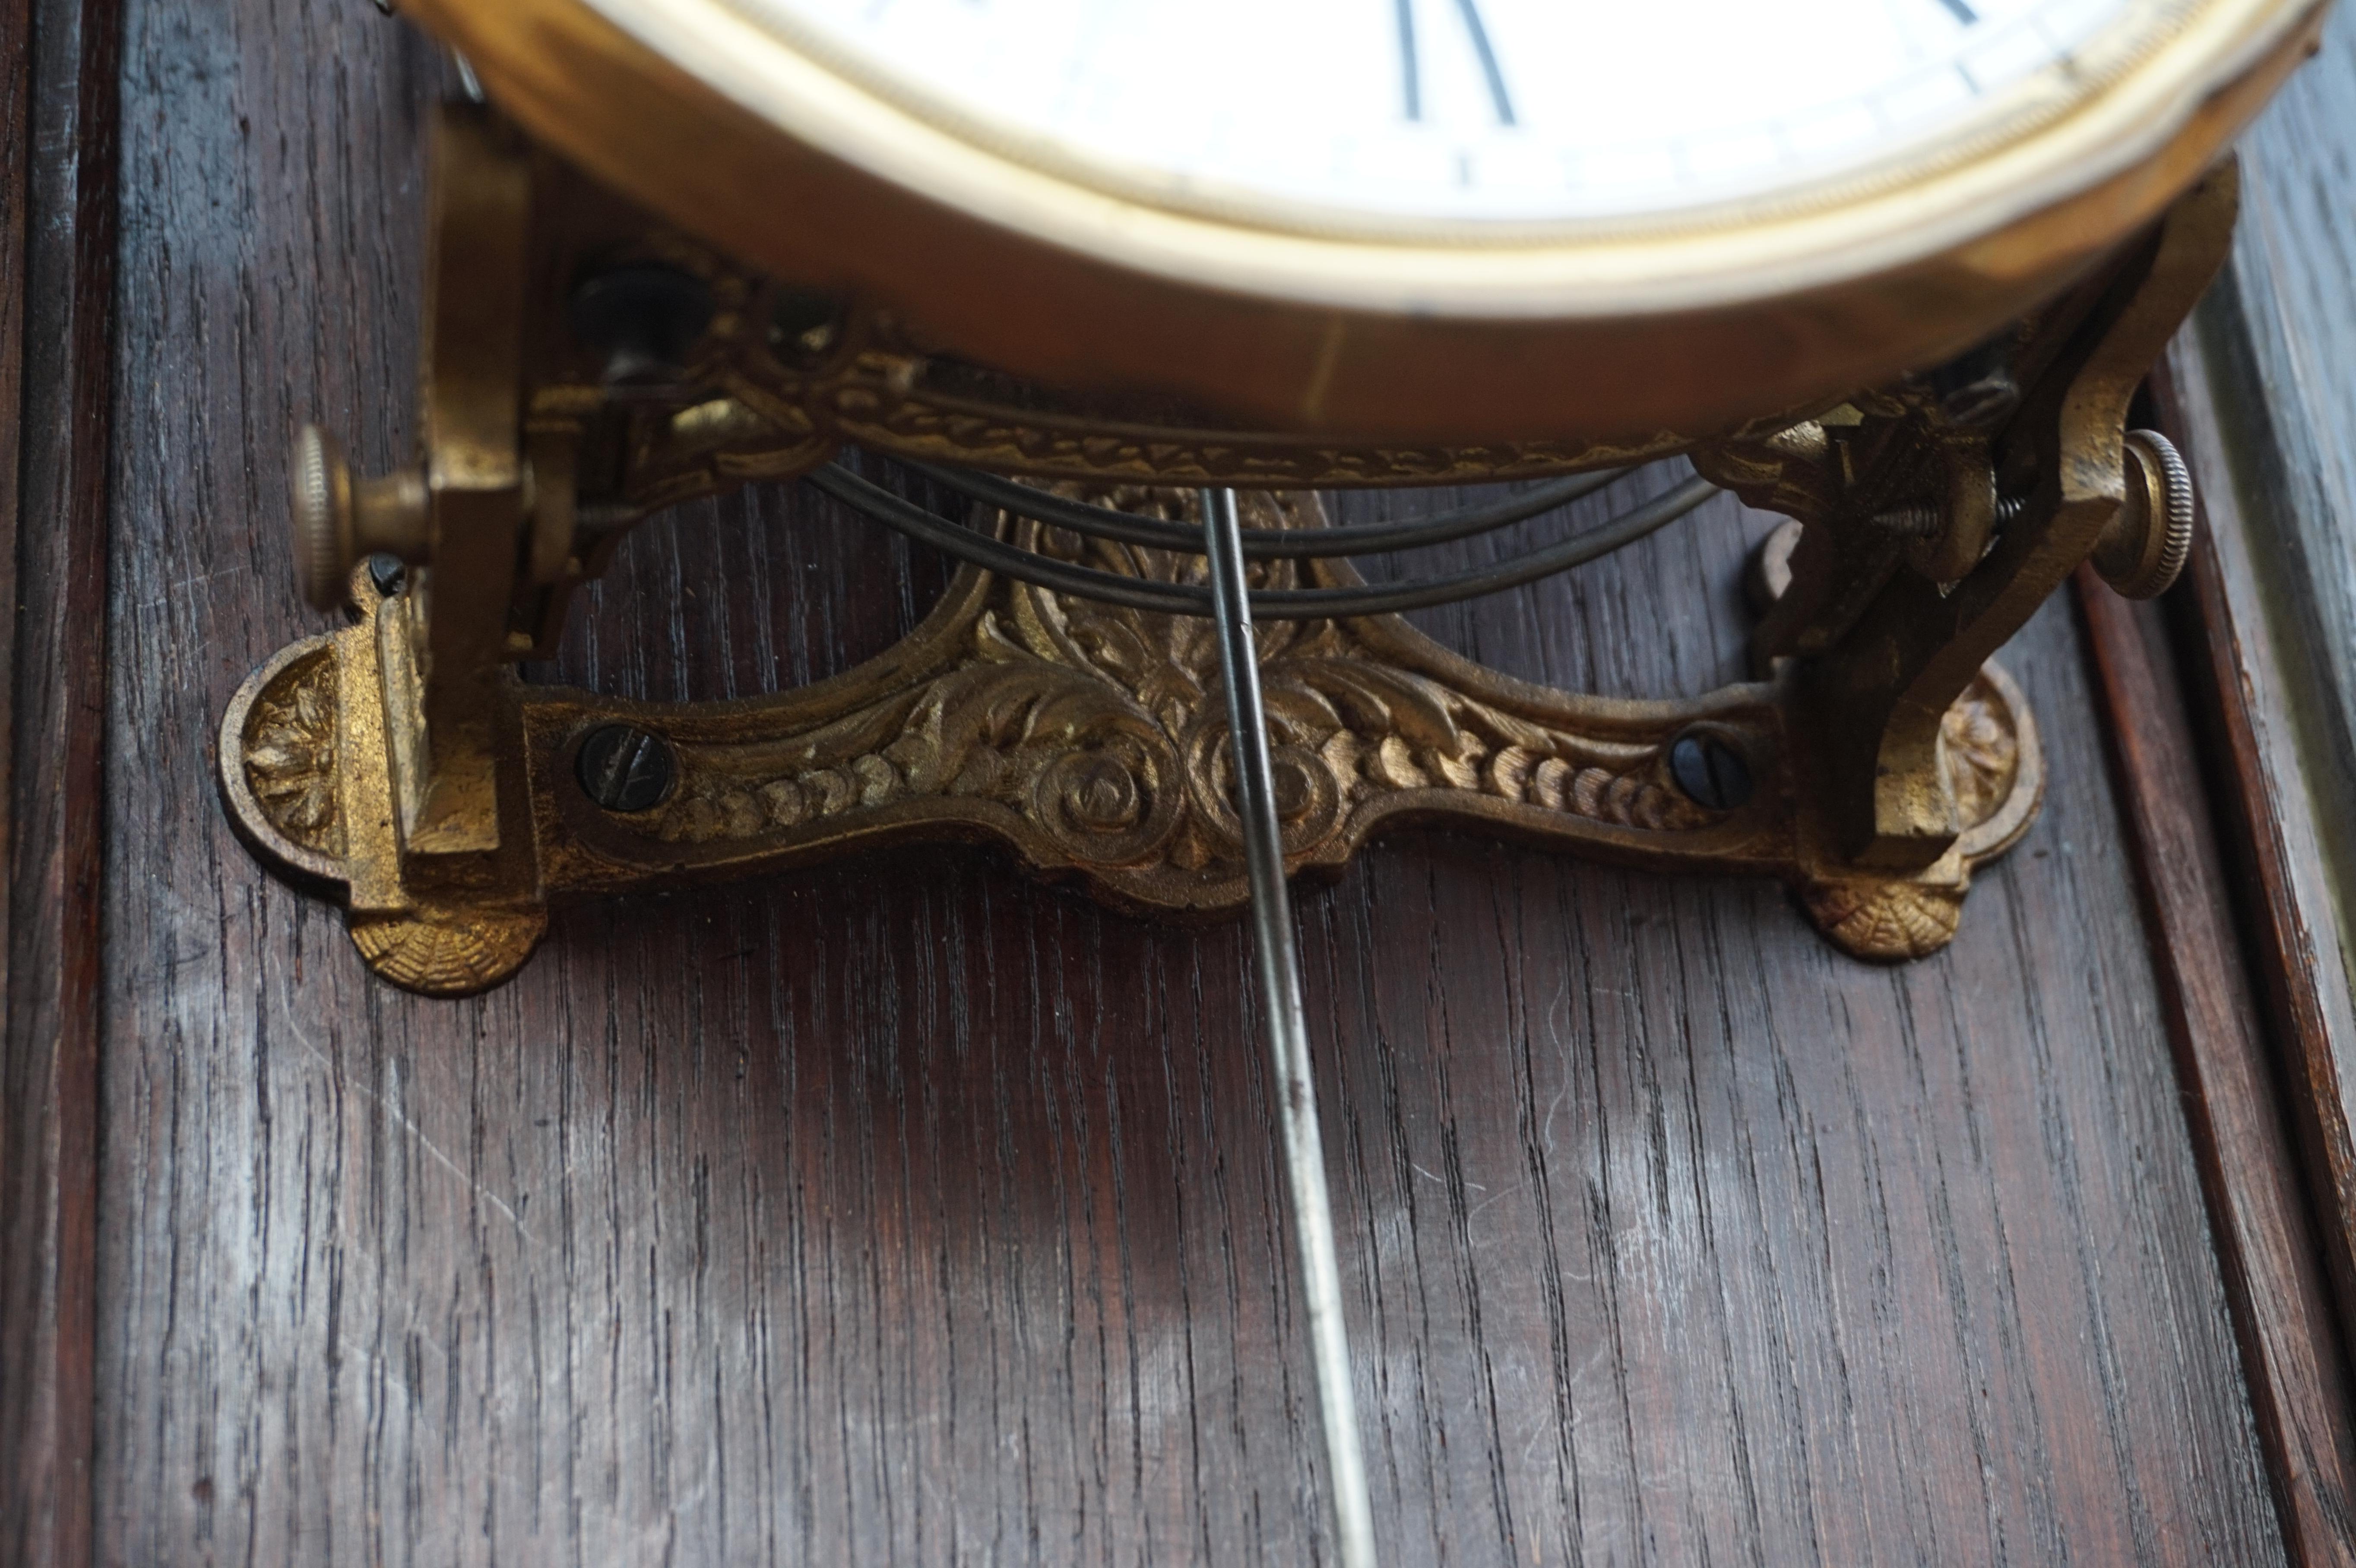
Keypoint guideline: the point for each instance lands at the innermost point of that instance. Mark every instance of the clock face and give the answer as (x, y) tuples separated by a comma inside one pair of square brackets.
[(1423, 219), (1314, 114)]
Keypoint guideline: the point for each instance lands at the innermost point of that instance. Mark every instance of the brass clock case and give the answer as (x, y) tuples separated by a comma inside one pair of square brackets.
[(1537, 334)]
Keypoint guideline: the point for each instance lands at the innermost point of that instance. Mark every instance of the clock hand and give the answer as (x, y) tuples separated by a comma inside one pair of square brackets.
[(1410, 67), (1470, 11), (1408, 84)]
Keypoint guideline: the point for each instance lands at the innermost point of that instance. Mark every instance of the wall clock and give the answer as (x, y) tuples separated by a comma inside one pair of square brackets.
[(1135, 280), (1890, 267)]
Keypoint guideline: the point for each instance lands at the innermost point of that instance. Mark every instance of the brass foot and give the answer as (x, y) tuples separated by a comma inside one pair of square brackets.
[(1089, 740), (305, 782), (1994, 770), (447, 951), (1988, 743)]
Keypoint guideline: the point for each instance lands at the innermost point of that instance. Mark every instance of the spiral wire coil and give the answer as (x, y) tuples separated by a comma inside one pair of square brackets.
[(970, 544)]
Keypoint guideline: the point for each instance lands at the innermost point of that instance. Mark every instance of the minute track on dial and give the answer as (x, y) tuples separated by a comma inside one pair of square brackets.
[(1479, 111)]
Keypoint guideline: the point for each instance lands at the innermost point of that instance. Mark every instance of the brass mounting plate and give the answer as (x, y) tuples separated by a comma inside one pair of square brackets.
[(1090, 741)]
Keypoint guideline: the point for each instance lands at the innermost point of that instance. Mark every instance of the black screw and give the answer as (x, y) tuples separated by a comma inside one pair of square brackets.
[(643, 318), (625, 768), (1709, 771), (1976, 388), (803, 325), (387, 572), (1983, 401)]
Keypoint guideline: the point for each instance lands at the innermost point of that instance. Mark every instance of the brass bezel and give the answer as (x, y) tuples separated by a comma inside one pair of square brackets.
[(2117, 100), (1612, 338)]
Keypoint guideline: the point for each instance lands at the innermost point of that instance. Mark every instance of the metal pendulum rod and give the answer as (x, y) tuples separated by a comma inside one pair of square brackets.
[(1279, 967)]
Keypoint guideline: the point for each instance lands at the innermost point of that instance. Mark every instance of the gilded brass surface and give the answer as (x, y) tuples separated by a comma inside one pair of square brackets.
[(475, 487), (889, 395), (402, 766), (306, 775), (1090, 741), (1613, 334), (1888, 644)]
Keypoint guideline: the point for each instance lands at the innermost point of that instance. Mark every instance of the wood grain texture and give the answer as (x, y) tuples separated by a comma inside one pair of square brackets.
[(2268, 392), (61, 70), (27, 1175), (2280, 332), (904, 1211), (2274, 1265), (2238, 675)]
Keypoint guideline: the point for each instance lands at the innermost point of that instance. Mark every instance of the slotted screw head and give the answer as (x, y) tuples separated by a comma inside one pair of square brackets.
[(1976, 386), (1712, 772), (321, 497), (643, 317), (625, 769)]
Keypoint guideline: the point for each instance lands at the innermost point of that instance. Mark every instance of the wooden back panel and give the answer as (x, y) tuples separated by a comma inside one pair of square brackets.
[(905, 1210)]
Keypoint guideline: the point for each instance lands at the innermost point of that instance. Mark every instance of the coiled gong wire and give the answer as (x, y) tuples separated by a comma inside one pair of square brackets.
[(971, 545), (1226, 596)]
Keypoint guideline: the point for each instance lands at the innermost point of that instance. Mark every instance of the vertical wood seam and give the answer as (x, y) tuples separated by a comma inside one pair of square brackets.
[(2280, 1305), (2282, 942), (66, 57)]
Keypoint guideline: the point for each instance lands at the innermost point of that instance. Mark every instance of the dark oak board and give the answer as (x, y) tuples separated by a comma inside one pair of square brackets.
[(2264, 402), (906, 1211), (58, 80), (2268, 1238)]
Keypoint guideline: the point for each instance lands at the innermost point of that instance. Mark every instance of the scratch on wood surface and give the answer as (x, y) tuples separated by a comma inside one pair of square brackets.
[(905, 1211), (186, 584), (400, 1118)]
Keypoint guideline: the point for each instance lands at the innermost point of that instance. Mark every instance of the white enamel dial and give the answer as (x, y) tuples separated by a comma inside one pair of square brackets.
[(1479, 111)]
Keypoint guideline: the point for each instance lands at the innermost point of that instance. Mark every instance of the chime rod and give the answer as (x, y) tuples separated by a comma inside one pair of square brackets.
[(1279, 967)]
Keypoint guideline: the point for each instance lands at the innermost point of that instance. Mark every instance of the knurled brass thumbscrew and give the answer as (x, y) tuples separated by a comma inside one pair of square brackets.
[(340, 521), (2143, 548)]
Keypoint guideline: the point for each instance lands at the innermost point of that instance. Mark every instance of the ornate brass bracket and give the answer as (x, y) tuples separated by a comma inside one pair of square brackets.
[(400, 766), (1090, 741)]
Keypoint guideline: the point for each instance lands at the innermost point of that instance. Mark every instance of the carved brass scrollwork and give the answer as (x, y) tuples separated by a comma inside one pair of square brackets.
[(1090, 741)]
